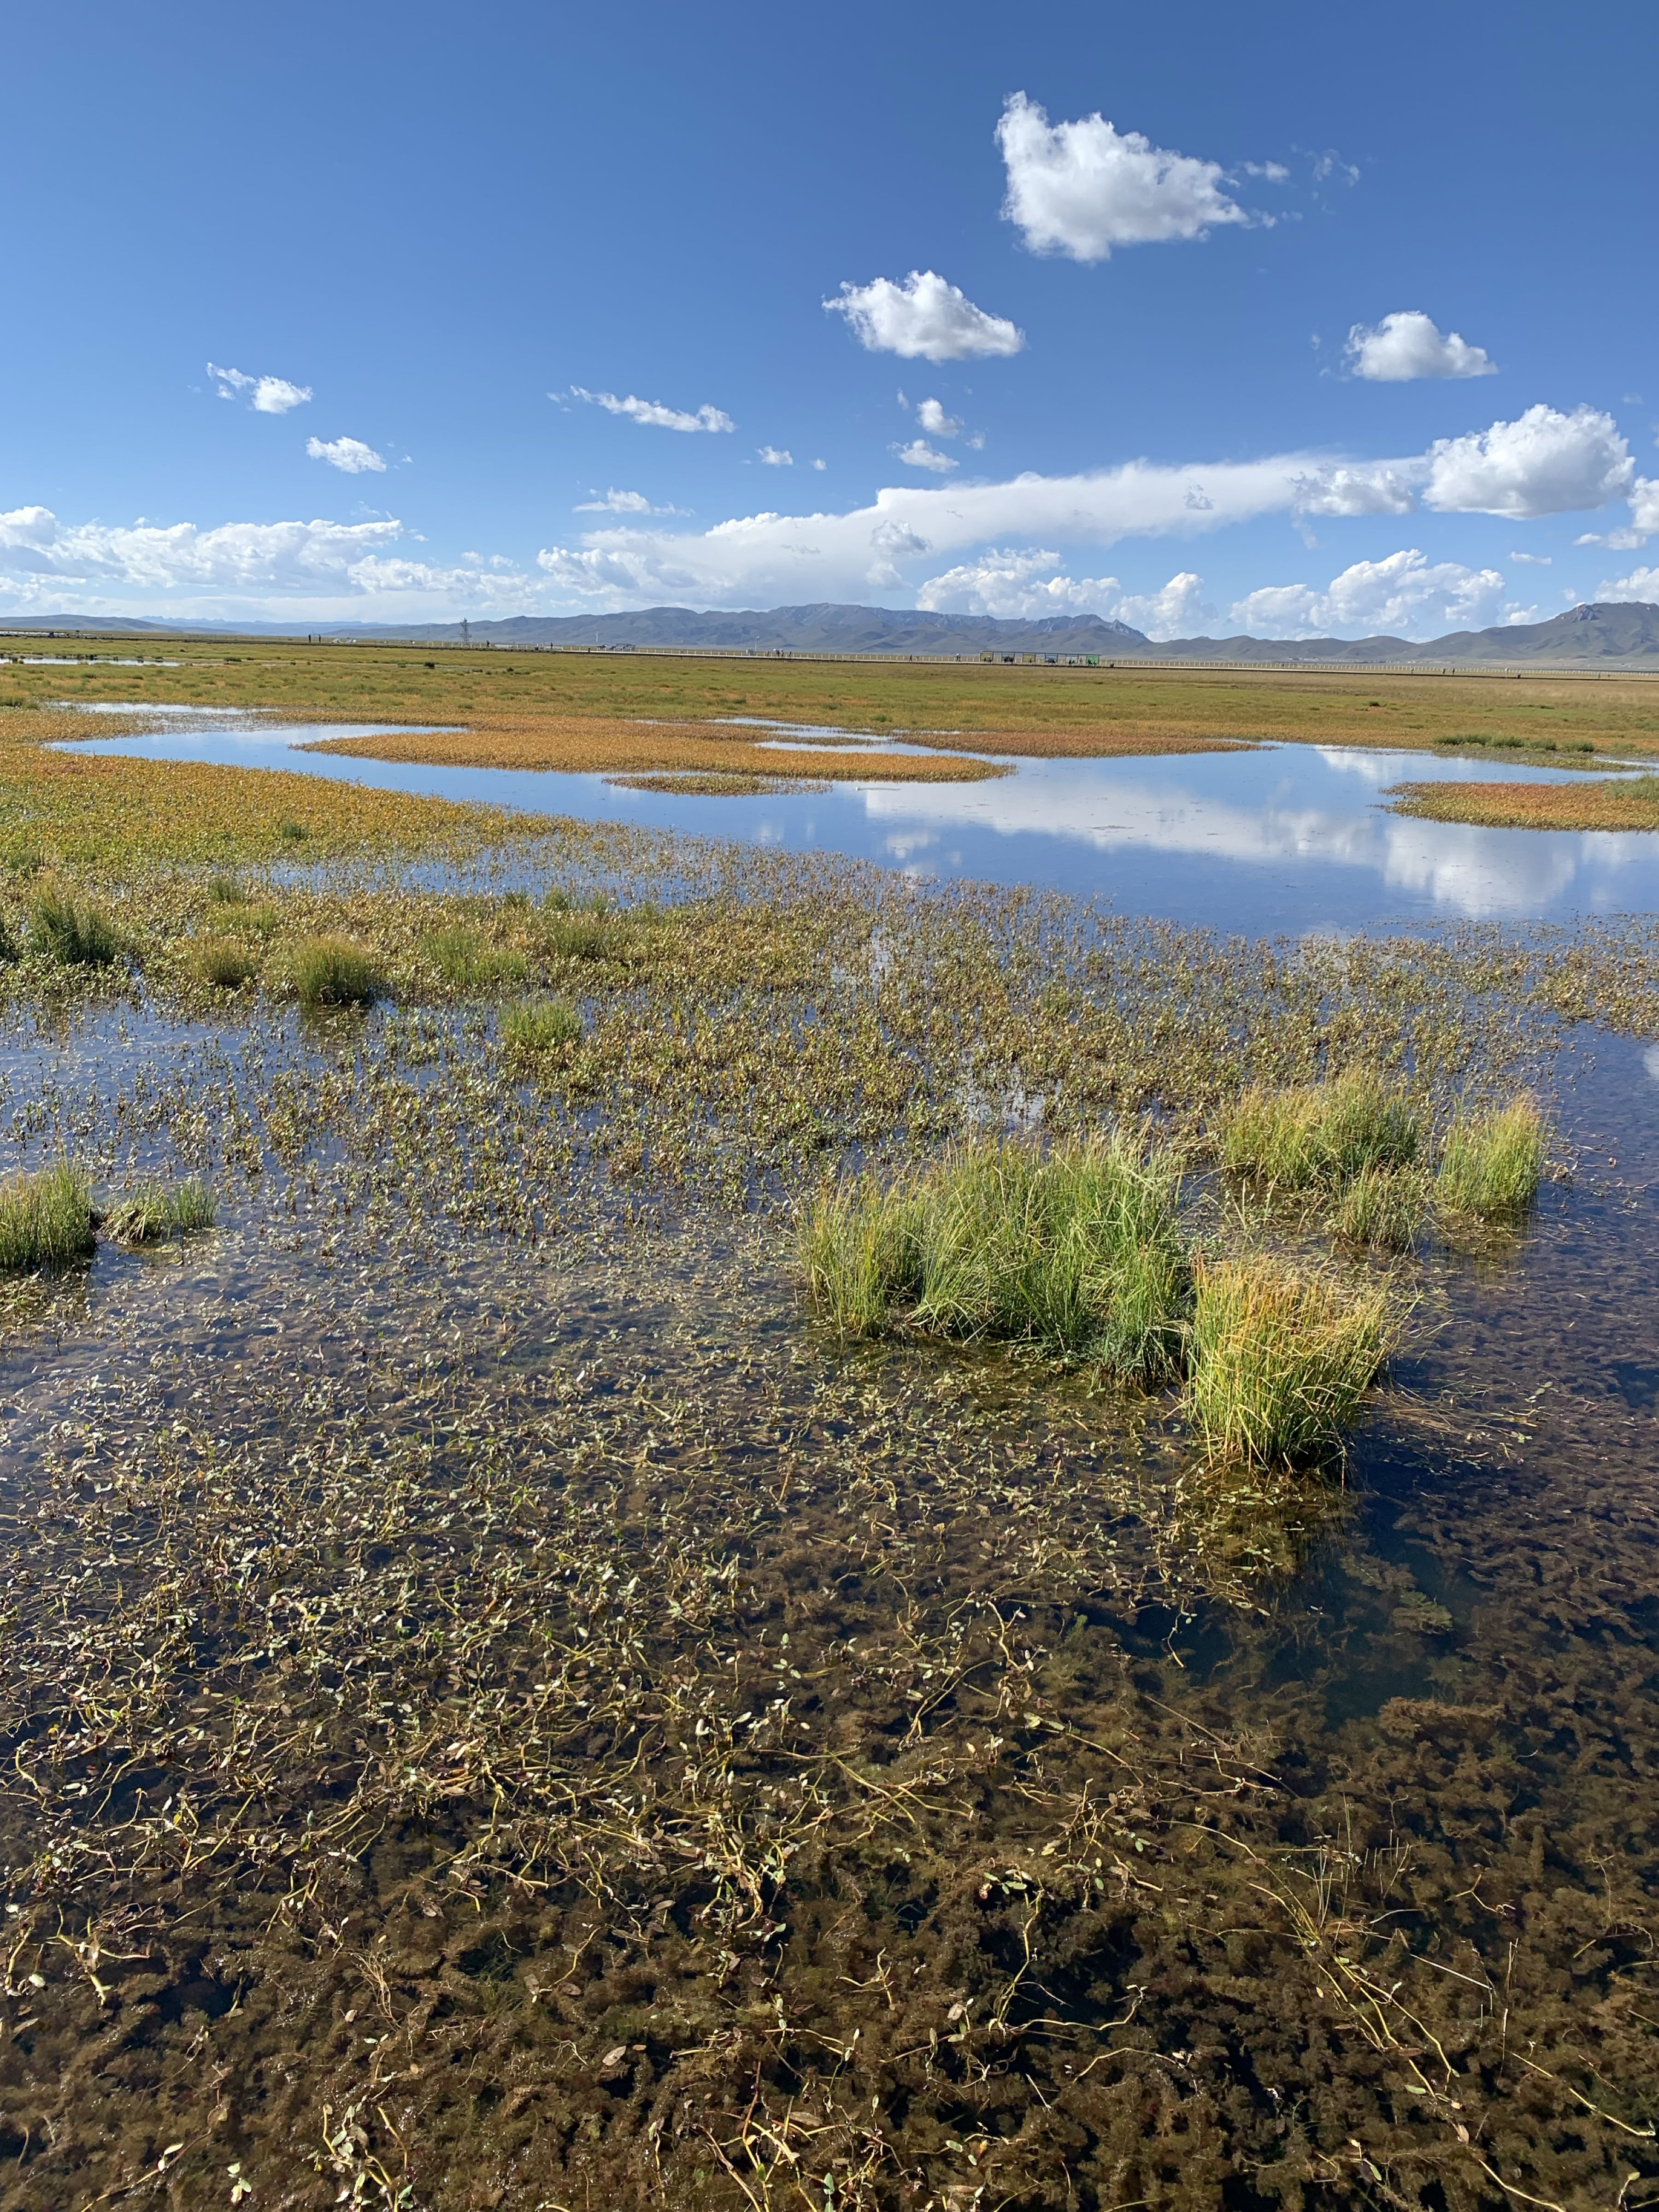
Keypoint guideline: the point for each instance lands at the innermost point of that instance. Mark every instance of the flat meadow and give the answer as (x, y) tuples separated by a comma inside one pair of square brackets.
[(693, 1526)]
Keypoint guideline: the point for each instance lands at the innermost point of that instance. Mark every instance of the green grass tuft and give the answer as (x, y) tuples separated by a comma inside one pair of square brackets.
[(153, 1211), (539, 1026), (70, 931), (46, 1219), (223, 962), (1076, 1250), (1281, 1360), (1491, 1164), (1323, 1134), (573, 936), (225, 890), (468, 963), (1381, 1207), (332, 971)]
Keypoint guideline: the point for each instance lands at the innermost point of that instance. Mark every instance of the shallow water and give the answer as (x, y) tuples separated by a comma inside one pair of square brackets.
[(1287, 838)]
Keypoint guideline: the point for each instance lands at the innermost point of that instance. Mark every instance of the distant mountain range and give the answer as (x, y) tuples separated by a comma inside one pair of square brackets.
[(1621, 631)]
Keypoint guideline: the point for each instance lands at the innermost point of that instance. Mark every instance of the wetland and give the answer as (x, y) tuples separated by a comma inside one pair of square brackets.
[(510, 1701)]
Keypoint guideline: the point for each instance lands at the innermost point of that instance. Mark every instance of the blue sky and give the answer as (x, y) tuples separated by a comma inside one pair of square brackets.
[(1302, 320)]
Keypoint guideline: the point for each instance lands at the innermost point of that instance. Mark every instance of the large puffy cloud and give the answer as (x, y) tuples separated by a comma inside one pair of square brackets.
[(1641, 584), (1027, 586), (233, 556), (1543, 463), (1082, 188), (652, 412), (1407, 345), (924, 319), (1404, 595)]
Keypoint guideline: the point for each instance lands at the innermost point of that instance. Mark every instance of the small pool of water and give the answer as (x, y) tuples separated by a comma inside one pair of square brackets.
[(1283, 838)]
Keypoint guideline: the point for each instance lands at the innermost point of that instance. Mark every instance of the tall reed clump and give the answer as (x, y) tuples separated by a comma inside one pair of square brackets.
[(70, 931), (153, 1211), (46, 1219), (332, 971), (1491, 1164), (1281, 1359), (1078, 1251)]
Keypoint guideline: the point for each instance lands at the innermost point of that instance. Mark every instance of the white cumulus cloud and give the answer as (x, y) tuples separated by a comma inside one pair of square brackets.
[(235, 555), (776, 457), (924, 319), (652, 411), (268, 395), (1407, 345), (1543, 463), (1404, 595), (933, 418), (919, 454), (1641, 584), (1082, 188), (1025, 585), (350, 454)]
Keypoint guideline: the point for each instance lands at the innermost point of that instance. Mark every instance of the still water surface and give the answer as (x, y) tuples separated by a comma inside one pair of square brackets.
[(1285, 838)]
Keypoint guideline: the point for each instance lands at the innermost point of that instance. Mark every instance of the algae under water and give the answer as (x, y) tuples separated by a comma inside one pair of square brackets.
[(500, 1709)]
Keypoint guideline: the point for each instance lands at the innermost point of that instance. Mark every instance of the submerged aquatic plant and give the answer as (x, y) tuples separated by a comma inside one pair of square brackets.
[(46, 1219), (1491, 1164), (72, 932), (540, 1025), (1077, 1249), (1320, 1132), (332, 971), (1281, 1358), (153, 1211)]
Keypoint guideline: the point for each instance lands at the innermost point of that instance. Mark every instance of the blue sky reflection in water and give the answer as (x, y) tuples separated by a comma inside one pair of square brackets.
[(1283, 839)]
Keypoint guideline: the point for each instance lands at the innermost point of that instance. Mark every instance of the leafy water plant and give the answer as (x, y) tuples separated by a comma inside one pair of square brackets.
[(46, 1219), (537, 1026), (153, 1211), (224, 963), (332, 971), (1320, 1132), (1077, 1249), (72, 932), (1491, 1164), (1281, 1358)]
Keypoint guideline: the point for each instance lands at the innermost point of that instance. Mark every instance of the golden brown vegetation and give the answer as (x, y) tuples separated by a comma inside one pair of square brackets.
[(1610, 802)]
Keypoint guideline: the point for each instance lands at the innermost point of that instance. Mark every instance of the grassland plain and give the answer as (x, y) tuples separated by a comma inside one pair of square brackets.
[(1049, 710), (500, 1710)]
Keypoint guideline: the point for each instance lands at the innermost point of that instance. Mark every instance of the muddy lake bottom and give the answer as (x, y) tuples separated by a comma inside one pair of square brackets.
[(509, 1714)]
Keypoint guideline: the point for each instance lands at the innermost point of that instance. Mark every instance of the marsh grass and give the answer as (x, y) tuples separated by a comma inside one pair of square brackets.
[(539, 1026), (225, 890), (469, 963), (1491, 1164), (46, 1219), (1384, 1208), (224, 963), (1281, 1358), (578, 936), (334, 971), (1321, 1133), (152, 1212), (73, 933), (1077, 1249)]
